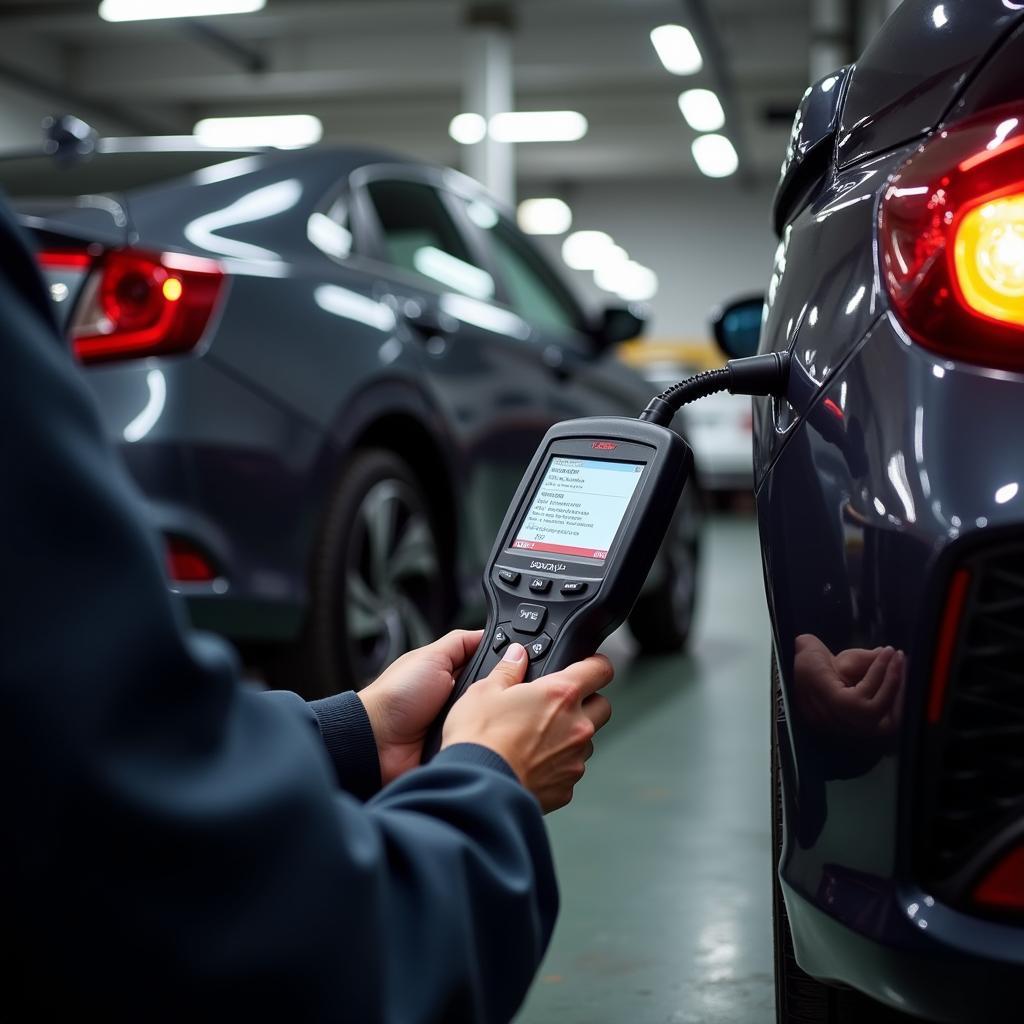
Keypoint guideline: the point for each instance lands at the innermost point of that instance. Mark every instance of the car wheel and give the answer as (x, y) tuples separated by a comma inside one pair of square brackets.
[(378, 587), (799, 998), (661, 620)]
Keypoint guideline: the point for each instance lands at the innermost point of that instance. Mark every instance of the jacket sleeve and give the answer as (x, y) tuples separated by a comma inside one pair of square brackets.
[(174, 843)]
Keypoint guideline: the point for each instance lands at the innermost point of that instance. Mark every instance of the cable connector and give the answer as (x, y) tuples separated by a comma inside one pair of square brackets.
[(756, 375)]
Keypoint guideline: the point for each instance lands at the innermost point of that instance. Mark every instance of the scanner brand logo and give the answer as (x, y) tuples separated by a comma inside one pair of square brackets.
[(549, 566), (604, 446)]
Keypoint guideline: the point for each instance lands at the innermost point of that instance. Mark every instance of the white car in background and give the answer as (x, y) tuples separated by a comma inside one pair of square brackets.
[(718, 427)]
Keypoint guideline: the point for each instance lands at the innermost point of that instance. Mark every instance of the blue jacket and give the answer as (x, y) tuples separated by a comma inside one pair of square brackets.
[(178, 846)]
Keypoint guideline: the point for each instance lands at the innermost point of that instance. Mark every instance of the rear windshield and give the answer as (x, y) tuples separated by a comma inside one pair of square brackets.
[(42, 177)]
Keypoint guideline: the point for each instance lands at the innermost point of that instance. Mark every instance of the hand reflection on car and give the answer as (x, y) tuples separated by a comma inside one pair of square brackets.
[(856, 693)]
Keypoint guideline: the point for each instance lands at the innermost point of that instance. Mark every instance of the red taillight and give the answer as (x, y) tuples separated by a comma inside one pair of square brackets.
[(186, 563), (1003, 885), (64, 259), (952, 241), (949, 630), (140, 304)]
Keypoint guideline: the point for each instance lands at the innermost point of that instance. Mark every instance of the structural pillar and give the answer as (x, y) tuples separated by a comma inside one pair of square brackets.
[(488, 91), (831, 37)]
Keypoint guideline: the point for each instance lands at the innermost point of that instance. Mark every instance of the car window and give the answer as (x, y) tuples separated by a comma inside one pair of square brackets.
[(533, 290), (420, 236)]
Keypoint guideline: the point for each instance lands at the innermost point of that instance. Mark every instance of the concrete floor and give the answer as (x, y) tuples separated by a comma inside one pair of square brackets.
[(663, 855)]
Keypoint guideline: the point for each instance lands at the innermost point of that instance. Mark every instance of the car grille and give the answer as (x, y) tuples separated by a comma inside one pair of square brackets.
[(974, 766)]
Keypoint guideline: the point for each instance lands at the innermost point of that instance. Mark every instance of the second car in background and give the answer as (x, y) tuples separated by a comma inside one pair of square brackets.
[(326, 371)]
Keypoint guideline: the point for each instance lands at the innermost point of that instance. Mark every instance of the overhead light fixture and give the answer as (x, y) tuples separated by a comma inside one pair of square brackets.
[(677, 49), (634, 282), (582, 249), (608, 272), (544, 216), (284, 131), (468, 129), (702, 110), (538, 126), (150, 10), (715, 155)]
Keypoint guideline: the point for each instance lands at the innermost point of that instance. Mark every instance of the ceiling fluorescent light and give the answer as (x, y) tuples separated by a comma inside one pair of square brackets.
[(582, 249), (677, 49), (149, 10), (538, 126), (284, 131), (702, 110), (468, 129), (544, 216), (715, 156)]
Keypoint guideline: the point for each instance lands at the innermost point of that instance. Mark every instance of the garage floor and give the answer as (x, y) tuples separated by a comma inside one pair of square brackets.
[(664, 854)]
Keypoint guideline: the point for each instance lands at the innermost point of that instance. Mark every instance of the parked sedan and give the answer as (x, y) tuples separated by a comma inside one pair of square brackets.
[(326, 371), (890, 496)]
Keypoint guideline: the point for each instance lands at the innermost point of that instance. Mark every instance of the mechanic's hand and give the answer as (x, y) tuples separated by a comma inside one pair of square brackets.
[(856, 693), (543, 729), (407, 696)]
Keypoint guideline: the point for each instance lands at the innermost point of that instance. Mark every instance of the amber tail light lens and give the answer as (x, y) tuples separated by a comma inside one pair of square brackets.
[(951, 232)]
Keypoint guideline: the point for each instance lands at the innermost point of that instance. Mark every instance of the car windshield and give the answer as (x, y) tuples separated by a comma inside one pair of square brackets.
[(42, 177)]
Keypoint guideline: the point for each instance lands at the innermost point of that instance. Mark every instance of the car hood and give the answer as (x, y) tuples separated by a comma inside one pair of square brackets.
[(914, 69)]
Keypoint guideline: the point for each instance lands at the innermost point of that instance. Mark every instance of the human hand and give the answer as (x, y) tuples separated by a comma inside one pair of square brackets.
[(856, 693), (544, 729), (407, 696)]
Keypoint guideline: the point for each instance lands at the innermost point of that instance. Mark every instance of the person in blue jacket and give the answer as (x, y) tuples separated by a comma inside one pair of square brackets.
[(177, 845)]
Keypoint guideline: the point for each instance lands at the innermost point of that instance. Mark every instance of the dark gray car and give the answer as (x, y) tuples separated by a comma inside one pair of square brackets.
[(326, 370)]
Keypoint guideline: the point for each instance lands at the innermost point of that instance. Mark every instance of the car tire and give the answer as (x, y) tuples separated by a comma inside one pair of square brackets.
[(799, 998), (662, 619), (378, 585)]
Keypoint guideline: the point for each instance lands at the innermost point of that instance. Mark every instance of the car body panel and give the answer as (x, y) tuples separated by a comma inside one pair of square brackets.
[(882, 468), (914, 69)]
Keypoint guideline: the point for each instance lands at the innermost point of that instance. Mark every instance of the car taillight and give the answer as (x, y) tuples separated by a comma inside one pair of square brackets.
[(186, 563), (951, 230), (1003, 885), (139, 304)]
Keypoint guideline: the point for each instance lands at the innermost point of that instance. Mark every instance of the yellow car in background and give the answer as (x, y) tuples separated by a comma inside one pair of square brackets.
[(719, 428)]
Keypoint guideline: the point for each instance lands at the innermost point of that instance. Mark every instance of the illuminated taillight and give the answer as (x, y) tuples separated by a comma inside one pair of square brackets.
[(952, 241), (186, 563), (141, 304), (1003, 884)]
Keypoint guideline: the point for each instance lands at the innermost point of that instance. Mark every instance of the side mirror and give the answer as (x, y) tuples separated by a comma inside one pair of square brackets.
[(737, 326), (619, 323)]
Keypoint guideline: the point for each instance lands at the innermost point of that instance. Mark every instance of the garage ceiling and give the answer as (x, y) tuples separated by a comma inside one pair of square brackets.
[(389, 73)]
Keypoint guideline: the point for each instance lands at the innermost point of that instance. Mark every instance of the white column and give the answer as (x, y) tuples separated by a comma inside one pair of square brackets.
[(488, 91), (830, 37)]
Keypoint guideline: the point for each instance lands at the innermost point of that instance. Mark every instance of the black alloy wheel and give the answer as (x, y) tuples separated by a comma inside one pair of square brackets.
[(378, 583)]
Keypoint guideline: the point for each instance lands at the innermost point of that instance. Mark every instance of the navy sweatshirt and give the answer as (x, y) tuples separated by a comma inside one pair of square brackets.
[(178, 846)]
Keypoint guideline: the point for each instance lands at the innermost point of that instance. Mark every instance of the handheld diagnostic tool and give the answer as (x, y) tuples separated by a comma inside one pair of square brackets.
[(577, 543), (584, 526)]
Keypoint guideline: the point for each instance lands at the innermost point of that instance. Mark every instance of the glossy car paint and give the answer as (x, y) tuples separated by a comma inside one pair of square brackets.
[(879, 469), (237, 444)]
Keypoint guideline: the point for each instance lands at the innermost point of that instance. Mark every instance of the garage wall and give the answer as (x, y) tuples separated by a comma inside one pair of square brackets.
[(706, 241)]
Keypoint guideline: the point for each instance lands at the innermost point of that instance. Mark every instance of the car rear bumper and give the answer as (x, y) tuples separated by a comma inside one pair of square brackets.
[(923, 958), (226, 470), (890, 477)]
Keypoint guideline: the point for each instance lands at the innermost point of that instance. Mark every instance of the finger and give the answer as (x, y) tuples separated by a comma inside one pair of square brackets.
[(590, 675), (588, 750), (892, 685), (875, 675), (853, 665), (512, 667), (598, 709), (458, 646)]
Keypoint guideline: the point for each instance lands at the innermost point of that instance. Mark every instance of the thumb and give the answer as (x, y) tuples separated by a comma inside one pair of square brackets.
[(512, 667)]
